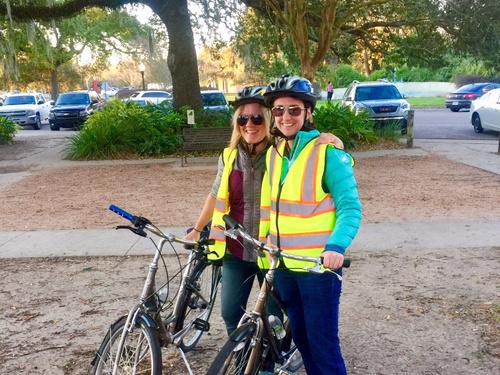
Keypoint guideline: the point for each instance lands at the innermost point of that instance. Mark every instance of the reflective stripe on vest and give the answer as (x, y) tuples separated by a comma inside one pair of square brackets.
[(218, 250), (300, 212)]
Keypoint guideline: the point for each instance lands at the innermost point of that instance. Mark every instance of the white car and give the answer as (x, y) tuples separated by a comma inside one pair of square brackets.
[(26, 109), (153, 97), (485, 112)]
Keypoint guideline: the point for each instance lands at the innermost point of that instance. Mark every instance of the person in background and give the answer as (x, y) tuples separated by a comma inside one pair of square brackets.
[(310, 207), (236, 192), (329, 91)]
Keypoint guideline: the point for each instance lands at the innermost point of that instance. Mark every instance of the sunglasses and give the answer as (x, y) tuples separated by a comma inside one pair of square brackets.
[(294, 111), (256, 119)]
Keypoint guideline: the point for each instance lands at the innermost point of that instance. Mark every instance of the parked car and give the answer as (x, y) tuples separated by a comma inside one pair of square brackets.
[(214, 100), (73, 108), (381, 100), (110, 92), (153, 97), (26, 109), (465, 95), (485, 112)]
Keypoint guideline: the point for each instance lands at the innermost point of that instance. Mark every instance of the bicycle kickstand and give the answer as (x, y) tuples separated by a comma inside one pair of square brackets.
[(186, 361)]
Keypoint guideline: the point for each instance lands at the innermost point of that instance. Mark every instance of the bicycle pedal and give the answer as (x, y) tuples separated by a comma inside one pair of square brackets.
[(201, 325)]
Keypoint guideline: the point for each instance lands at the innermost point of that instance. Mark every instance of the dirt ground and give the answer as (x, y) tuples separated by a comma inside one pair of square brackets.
[(422, 312)]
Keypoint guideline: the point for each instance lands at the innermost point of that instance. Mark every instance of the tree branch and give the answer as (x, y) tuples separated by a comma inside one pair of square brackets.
[(62, 10)]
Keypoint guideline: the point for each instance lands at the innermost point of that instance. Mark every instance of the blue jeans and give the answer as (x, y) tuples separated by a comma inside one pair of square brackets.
[(237, 280), (312, 303)]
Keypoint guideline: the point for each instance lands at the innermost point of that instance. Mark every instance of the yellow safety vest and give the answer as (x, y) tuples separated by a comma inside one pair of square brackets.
[(218, 250), (297, 214)]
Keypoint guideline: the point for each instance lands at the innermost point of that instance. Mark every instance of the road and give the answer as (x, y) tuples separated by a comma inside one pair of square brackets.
[(429, 124), (444, 124)]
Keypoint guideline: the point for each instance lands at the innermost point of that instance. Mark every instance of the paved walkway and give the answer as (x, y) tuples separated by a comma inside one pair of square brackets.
[(406, 236)]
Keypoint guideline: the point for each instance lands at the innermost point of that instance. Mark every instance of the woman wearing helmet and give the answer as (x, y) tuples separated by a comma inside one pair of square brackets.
[(236, 191), (319, 214)]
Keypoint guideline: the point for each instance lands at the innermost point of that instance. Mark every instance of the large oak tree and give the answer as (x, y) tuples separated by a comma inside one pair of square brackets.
[(173, 13)]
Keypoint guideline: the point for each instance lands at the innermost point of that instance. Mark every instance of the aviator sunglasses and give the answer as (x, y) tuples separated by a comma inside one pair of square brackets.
[(294, 111), (256, 119)]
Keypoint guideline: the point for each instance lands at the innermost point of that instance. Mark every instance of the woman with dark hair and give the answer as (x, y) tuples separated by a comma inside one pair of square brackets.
[(310, 207)]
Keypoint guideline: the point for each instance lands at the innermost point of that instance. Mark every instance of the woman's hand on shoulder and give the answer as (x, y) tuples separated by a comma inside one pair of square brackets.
[(330, 139)]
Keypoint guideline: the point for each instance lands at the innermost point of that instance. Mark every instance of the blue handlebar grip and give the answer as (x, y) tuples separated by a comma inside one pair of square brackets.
[(121, 212)]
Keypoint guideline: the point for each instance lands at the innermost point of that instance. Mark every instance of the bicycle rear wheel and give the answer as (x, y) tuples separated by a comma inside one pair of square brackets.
[(141, 353), (198, 302), (234, 358)]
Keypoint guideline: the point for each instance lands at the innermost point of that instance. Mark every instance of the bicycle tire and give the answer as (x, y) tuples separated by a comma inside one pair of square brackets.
[(203, 280), (143, 339), (233, 358)]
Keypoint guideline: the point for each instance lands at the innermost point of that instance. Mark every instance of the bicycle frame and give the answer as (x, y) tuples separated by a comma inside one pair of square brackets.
[(148, 311)]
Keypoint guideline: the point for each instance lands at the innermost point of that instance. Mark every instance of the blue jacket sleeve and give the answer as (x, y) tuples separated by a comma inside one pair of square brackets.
[(339, 181)]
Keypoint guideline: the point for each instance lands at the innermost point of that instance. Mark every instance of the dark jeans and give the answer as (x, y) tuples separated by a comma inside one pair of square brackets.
[(237, 280), (312, 303), (329, 95)]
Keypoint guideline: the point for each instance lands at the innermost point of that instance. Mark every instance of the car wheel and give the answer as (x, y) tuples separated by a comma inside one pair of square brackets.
[(38, 123), (54, 127), (477, 125), (455, 109)]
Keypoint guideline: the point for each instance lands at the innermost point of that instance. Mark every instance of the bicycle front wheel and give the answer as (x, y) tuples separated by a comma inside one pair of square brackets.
[(235, 357), (141, 352), (198, 302)]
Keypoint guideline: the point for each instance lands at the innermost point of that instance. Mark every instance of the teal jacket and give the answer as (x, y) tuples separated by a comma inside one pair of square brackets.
[(338, 179)]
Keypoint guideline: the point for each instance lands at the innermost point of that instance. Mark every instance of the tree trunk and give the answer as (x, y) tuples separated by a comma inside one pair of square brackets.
[(181, 60), (54, 84)]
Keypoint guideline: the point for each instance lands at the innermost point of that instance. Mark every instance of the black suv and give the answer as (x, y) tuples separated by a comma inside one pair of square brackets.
[(72, 109)]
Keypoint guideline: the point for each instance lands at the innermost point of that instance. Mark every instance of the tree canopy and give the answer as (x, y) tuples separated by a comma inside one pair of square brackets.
[(173, 13)]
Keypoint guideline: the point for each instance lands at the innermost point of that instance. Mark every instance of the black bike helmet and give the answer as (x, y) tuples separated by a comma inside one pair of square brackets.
[(250, 94), (288, 85)]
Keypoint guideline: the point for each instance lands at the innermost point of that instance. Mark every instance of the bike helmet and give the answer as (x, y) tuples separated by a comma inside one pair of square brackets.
[(288, 85), (250, 94)]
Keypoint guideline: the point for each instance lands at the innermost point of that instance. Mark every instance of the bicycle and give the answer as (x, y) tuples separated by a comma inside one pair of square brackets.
[(255, 346), (133, 343)]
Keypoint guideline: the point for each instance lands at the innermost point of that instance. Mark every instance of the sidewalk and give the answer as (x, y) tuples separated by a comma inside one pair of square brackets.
[(376, 237), (405, 236)]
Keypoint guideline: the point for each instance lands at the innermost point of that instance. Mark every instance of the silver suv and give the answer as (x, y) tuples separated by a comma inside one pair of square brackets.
[(382, 100)]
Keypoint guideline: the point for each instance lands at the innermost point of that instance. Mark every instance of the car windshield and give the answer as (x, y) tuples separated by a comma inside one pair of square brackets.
[(78, 98), (19, 100), (377, 93), (212, 100)]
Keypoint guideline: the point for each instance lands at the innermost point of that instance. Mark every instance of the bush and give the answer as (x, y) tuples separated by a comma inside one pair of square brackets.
[(206, 118), (124, 128), (463, 79), (345, 74), (8, 130), (345, 124)]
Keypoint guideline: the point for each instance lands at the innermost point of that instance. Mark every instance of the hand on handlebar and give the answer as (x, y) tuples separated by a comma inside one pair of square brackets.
[(332, 260), (193, 236)]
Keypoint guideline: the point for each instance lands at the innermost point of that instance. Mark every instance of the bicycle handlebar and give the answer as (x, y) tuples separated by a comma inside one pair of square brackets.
[(238, 229), (140, 223)]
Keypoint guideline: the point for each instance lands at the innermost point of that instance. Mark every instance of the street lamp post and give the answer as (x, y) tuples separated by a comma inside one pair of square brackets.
[(142, 68)]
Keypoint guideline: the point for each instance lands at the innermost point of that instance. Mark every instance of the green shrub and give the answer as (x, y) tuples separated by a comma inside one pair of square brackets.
[(8, 130), (345, 74), (124, 128), (206, 118), (345, 124)]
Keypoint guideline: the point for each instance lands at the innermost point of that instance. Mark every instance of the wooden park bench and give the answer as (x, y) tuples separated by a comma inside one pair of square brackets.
[(203, 139)]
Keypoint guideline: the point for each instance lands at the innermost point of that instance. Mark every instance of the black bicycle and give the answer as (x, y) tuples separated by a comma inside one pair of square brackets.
[(259, 344), (133, 343)]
